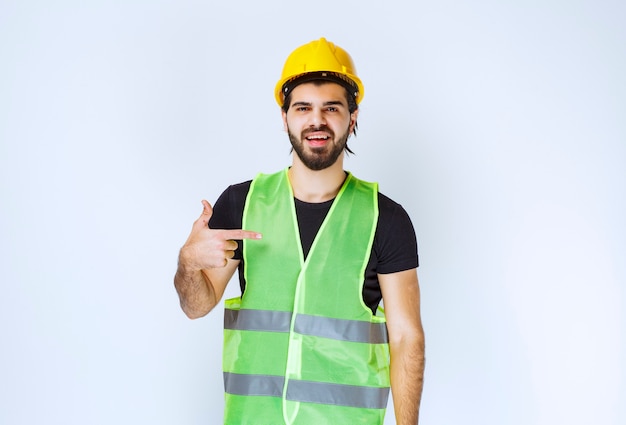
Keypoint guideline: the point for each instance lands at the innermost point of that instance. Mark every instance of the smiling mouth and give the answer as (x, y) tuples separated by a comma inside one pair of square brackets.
[(317, 140)]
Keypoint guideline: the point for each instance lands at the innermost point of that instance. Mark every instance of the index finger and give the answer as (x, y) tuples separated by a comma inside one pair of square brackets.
[(238, 234)]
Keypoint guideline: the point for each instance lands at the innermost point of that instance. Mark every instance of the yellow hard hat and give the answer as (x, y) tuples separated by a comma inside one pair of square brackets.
[(318, 60)]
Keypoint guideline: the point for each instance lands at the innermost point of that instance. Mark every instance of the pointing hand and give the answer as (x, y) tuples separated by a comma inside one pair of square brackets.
[(208, 248)]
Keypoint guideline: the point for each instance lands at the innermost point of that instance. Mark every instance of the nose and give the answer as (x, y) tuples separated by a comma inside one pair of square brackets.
[(317, 118)]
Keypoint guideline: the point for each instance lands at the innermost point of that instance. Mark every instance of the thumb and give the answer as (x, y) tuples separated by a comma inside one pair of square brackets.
[(207, 212)]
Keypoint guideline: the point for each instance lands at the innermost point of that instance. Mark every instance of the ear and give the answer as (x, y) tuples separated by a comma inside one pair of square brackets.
[(353, 119), (284, 115)]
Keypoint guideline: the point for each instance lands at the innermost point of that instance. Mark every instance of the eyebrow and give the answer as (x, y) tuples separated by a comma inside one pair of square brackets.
[(328, 103)]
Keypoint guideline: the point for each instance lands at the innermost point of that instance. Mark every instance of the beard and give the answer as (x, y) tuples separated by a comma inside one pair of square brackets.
[(318, 158)]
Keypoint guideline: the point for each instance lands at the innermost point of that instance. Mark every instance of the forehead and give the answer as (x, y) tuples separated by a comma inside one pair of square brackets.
[(316, 92)]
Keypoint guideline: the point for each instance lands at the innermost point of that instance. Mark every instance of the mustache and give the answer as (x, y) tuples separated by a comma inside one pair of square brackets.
[(322, 127)]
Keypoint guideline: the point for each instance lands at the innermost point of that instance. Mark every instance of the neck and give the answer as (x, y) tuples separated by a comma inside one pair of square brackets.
[(316, 186)]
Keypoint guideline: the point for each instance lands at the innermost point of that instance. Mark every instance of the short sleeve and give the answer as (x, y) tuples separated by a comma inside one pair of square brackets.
[(395, 242), (228, 210)]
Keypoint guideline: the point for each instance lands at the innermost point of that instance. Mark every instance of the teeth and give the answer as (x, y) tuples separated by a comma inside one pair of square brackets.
[(317, 138)]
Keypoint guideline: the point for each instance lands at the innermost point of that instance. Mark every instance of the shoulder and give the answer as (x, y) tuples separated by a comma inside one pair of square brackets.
[(235, 194), (390, 211), (239, 189)]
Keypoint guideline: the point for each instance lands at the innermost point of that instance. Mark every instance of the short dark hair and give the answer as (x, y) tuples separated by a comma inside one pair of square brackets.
[(350, 98)]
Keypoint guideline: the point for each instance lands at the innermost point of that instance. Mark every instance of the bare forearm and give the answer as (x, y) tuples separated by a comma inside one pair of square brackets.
[(196, 294), (407, 378)]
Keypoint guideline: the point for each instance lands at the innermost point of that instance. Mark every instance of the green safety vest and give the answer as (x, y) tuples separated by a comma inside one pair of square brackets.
[(300, 345)]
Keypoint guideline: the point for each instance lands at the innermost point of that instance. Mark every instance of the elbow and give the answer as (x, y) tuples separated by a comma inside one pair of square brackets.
[(408, 348), (193, 313), (411, 337)]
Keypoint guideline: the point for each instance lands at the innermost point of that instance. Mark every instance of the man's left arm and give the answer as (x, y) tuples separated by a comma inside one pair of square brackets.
[(401, 297)]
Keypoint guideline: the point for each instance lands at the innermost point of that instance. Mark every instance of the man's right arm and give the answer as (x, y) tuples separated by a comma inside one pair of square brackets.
[(205, 264)]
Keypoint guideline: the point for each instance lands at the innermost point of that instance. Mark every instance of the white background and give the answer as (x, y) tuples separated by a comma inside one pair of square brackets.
[(500, 127)]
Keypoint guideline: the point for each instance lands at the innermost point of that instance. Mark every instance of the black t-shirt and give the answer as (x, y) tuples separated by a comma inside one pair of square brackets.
[(394, 248)]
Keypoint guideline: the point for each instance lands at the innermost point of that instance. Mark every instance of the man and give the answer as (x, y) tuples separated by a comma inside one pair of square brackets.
[(306, 342)]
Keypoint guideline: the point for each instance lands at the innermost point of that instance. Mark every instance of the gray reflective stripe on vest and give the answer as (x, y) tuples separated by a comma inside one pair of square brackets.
[(343, 330), (325, 327), (338, 394), (265, 385), (257, 320), (307, 391)]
